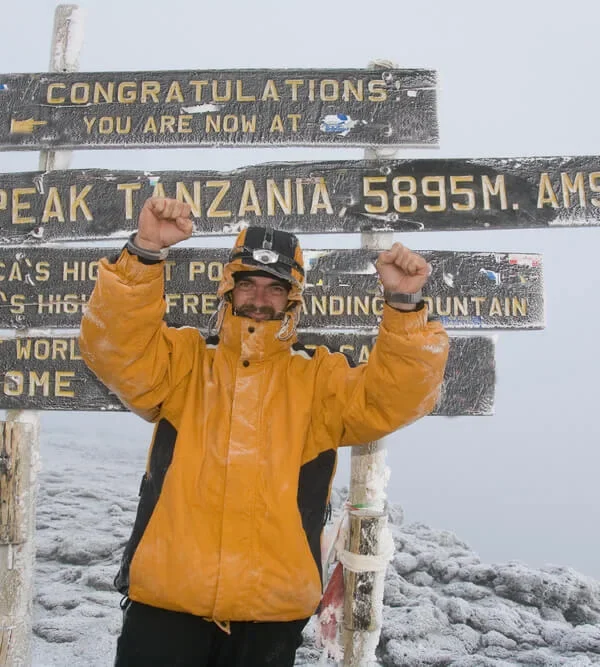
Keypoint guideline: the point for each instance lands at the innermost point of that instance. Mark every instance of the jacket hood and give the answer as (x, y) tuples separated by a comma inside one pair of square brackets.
[(274, 251)]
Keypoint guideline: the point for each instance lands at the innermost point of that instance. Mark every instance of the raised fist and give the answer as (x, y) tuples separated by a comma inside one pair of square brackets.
[(402, 270), (162, 223)]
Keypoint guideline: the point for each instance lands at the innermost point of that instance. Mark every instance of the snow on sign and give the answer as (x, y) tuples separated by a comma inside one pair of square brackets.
[(49, 374), (310, 197), (194, 108), (48, 286)]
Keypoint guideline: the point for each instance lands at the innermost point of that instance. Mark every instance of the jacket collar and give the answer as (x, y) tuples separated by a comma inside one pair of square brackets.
[(252, 340)]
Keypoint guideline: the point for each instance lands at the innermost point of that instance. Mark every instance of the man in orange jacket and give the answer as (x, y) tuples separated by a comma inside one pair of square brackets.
[(223, 565)]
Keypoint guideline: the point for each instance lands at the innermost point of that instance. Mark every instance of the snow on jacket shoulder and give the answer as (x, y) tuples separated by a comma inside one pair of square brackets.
[(244, 449)]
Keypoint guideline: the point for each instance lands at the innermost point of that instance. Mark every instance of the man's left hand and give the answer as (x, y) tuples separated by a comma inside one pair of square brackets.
[(402, 270)]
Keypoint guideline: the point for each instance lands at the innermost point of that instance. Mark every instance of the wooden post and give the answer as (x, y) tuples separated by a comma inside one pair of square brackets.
[(368, 532), (19, 435), (17, 512)]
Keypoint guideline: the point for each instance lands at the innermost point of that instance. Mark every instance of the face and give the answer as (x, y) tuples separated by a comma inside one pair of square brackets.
[(259, 298)]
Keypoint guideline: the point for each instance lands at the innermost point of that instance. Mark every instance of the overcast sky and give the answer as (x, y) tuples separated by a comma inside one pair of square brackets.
[(516, 79)]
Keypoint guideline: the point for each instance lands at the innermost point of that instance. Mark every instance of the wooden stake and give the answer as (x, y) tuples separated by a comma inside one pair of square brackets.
[(363, 591), (16, 550)]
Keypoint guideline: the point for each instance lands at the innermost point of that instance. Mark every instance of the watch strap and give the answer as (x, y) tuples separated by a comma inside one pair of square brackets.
[(144, 253), (402, 297)]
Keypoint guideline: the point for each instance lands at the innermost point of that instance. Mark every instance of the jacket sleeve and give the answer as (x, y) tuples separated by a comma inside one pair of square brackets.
[(399, 384), (124, 339)]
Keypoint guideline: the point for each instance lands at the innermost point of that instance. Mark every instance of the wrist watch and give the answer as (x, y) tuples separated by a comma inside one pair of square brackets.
[(152, 255), (402, 297)]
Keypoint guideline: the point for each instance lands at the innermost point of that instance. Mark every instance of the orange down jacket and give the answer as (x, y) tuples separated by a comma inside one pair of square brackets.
[(243, 454)]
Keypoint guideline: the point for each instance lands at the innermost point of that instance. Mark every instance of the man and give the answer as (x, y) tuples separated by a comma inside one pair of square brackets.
[(223, 566)]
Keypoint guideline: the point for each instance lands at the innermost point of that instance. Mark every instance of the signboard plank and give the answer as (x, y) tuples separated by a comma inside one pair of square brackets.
[(47, 373), (313, 197), (216, 107), (48, 286)]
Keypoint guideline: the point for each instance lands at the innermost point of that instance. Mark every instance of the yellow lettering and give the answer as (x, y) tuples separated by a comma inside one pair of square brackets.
[(439, 192), (213, 210), (380, 195), (23, 348), (42, 270), (249, 193), (377, 90), (351, 90), (294, 118), (400, 195), (496, 307), (183, 195), (519, 306), (329, 90), (104, 95), (129, 189), (127, 92), (167, 123), (183, 123), (546, 194), (17, 304), (150, 125), (294, 83), (50, 98), (78, 201), (159, 190), (239, 85), (571, 187), (53, 207), (63, 383), (274, 194), (174, 94), (270, 91), (42, 381), (498, 189), (276, 124), (18, 206), (320, 199), (150, 89), (80, 93), (89, 123), (226, 96), (198, 86), (196, 268), (106, 125)]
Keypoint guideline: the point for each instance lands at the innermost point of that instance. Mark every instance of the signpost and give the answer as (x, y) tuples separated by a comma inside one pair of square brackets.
[(47, 373), (313, 197), (215, 107), (49, 287), (46, 285)]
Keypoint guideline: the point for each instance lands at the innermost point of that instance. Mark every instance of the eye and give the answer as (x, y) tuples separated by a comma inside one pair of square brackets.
[(278, 290), (244, 285)]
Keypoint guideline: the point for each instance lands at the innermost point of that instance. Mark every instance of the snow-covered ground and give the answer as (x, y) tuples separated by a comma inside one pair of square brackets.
[(443, 606)]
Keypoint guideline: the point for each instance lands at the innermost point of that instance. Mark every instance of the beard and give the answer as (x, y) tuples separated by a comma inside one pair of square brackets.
[(258, 312)]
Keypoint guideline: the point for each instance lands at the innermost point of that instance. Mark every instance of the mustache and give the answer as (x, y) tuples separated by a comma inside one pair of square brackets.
[(248, 309)]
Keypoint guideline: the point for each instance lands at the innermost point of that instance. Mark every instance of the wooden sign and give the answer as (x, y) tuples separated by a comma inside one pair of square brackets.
[(48, 286), (49, 374), (313, 197), (215, 107)]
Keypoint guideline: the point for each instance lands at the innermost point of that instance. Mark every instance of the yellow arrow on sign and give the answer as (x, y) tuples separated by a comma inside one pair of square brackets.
[(25, 126)]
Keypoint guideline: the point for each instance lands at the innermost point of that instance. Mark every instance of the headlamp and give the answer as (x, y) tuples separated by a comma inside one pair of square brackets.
[(265, 256)]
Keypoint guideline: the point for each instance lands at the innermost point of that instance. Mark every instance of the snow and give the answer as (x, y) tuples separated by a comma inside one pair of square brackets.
[(442, 605)]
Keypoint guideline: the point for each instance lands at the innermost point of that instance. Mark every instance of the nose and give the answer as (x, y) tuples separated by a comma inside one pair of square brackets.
[(261, 297)]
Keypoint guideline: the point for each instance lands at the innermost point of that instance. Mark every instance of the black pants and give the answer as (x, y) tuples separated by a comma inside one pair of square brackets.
[(153, 637)]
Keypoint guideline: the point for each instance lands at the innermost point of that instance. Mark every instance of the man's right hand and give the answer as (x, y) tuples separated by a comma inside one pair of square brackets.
[(162, 223)]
